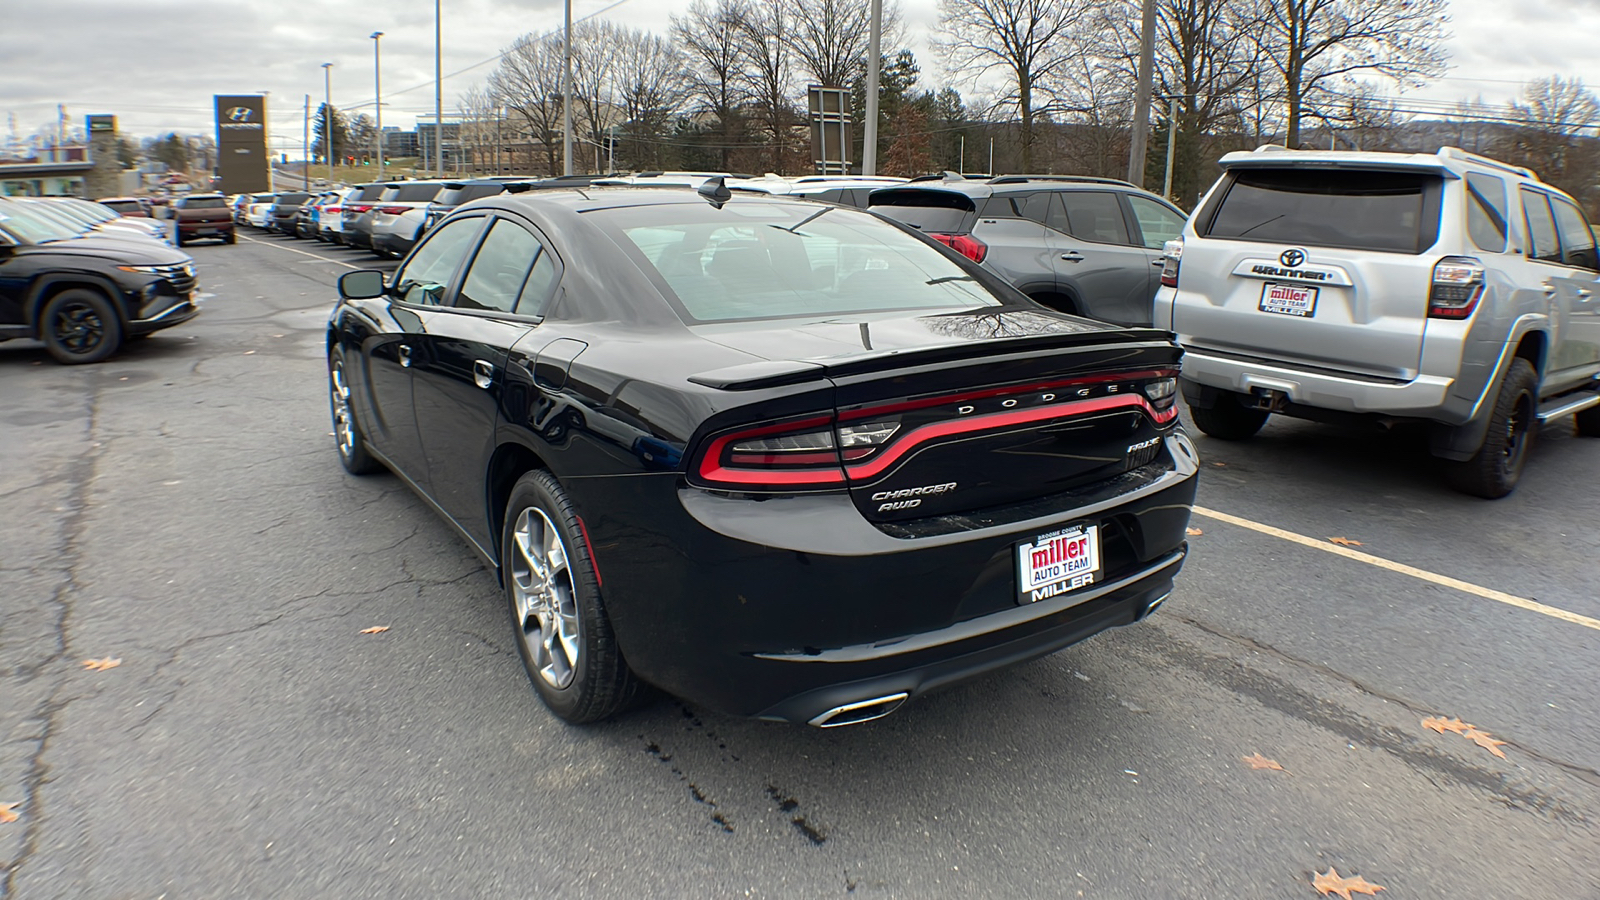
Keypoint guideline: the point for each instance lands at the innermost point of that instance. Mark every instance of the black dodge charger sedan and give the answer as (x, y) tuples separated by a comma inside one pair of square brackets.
[(783, 459)]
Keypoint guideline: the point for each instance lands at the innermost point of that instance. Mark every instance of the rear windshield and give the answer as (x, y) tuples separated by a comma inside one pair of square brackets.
[(455, 196), (291, 199), (412, 193), (1356, 209), (762, 261), (123, 206), (936, 212), (204, 203), (370, 192)]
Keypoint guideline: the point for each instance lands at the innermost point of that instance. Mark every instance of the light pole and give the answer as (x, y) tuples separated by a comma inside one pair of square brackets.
[(869, 142), (1141, 96), (327, 118), (438, 98), (566, 95), (377, 94), (1172, 142)]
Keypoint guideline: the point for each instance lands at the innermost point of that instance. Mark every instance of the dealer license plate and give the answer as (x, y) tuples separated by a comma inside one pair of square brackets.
[(1289, 300), (1058, 562)]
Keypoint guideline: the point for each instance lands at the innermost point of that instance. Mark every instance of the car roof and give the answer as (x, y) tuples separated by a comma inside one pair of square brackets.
[(588, 199), (1448, 161), (1003, 184)]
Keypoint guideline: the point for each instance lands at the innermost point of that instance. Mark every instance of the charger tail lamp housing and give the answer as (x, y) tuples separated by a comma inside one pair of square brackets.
[(829, 452)]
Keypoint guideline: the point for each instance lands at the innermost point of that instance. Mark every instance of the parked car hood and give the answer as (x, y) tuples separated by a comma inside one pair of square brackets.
[(133, 250)]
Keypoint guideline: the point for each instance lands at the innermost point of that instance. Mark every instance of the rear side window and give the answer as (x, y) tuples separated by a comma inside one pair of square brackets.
[(495, 277), (1577, 240), (536, 290), (1094, 216), (1395, 212), (1542, 242), (371, 192), (205, 203), (1486, 211), (1157, 223), (935, 212)]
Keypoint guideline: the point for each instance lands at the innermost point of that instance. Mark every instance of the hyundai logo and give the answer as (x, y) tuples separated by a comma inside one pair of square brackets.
[(240, 114), (1292, 258)]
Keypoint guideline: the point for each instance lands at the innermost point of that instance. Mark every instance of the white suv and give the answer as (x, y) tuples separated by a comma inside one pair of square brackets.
[(1446, 287)]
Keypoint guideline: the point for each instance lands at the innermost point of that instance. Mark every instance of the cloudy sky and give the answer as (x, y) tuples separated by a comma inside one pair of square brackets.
[(155, 63)]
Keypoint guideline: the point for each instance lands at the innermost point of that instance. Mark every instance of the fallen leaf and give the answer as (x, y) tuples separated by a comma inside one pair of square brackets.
[(376, 629), (1257, 761), (1219, 464), (100, 665), (1344, 542), (248, 352), (1333, 883), (1441, 725), (1194, 532), (1484, 740), (6, 814)]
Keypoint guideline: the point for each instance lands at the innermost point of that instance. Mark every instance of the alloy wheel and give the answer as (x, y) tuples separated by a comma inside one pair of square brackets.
[(78, 327), (343, 425), (546, 606)]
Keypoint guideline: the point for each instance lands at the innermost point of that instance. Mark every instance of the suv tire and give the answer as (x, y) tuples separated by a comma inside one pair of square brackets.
[(557, 616), (1588, 422), (1228, 419), (80, 326), (1495, 469)]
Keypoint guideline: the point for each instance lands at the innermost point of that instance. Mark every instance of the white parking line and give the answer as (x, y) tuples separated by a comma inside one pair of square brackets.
[(1403, 569), (301, 252)]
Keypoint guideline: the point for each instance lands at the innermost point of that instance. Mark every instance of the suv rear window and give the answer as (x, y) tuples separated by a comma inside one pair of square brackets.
[(412, 193), (1396, 212), (935, 212), (455, 196), (203, 203)]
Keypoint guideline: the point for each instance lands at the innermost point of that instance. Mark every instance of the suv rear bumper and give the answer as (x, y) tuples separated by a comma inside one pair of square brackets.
[(1423, 397)]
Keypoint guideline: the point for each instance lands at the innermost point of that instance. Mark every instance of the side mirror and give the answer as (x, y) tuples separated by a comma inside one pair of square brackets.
[(366, 284)]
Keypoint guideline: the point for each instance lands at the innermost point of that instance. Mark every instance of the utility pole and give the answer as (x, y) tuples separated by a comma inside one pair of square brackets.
[(266, 131), (1141, 97), (566, 95), (327, 118), (438, 97), (1172, 142), (377, 93), (305, 164), (869, 142)]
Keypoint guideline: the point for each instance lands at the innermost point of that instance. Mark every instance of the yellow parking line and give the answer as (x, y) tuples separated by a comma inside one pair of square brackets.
[(1403, 569), (301, 252)]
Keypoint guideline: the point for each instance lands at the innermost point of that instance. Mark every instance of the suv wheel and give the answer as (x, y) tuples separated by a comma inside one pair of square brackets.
[(1588, 422), (557, 615), (80, 326), (1228, 418), (1495, 469)]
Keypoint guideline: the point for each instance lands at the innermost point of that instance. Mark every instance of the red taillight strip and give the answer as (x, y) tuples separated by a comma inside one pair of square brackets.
[(711, 468), (937, 430), (926, 402)]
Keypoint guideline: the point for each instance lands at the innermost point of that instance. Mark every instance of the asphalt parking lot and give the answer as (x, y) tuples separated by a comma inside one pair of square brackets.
[(180, 508)]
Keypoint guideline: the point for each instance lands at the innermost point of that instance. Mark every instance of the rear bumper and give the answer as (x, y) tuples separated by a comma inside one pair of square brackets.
[(205, 229), (1423, 397), (392, 243)]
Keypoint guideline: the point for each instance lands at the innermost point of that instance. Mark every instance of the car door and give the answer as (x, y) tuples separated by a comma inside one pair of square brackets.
[(1156, 223), (1021, 245), (1577, 358), (398, 324), (460, 375), (1097, 260)]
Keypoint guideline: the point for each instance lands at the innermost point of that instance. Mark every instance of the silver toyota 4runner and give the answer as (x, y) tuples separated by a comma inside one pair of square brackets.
[(1448, 288)]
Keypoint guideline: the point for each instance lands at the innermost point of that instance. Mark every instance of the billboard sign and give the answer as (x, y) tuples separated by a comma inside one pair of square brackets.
[(242, 143), (828, 109)]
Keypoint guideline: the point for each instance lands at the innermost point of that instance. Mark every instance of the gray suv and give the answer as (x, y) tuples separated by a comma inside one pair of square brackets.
[(1446, 288), (1090, 246)]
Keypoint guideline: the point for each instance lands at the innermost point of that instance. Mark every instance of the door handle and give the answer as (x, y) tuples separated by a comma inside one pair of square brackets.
[(1073, 256), (482, 373), (1585, 293), (1548, 287), (405, 356), (1159, 262)]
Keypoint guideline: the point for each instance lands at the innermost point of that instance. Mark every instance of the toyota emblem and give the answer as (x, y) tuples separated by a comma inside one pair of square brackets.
[(1292, 258), (240, 114)]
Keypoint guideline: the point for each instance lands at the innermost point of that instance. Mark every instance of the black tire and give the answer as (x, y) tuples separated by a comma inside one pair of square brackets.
[(80, 326), (347, 435), (1588, 422), (1495, 469), (598, 683), (1228, 419), (230, 238)]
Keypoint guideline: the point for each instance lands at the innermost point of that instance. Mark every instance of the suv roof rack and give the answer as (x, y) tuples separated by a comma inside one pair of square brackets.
[(1458, 153), (946, 175), (1088, 179)]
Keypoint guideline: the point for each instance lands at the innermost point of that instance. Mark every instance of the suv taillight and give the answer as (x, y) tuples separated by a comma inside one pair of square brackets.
[(393, 210), (1173, 251), (798, 455), (964, 244), (1457, 286)]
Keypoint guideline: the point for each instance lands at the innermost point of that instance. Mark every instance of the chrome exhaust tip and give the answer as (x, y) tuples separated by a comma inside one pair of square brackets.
[(1155, 604), (860, 711)]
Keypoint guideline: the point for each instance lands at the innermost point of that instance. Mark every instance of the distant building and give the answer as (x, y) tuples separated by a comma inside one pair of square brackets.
[(425, 141), (398, 143), (46, 172)]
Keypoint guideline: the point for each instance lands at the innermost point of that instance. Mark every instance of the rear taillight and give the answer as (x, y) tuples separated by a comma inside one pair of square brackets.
[(796, 455), (964, 244), (331, 209), (392, 210), (1173, 251), (1162, 392), (1457, 286), (358, 207)]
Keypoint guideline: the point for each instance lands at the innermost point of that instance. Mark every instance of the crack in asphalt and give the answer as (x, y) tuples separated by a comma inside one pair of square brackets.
[(37, 771), (1274, 693)]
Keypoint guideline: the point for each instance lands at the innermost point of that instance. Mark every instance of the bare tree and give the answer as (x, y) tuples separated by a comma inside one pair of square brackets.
[(1313, 44), (528, 82), (829, 37), (651, 85), (476, 107), (711, 33), (766, 25), (1552, 116), (1031, 43), (595, 50)]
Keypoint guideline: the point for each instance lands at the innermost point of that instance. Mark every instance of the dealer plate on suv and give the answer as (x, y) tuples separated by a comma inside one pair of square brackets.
[(1055, 563), (1289, 300)]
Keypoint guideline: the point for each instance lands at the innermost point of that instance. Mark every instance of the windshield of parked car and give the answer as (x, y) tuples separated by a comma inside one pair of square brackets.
[(1350, 208), (24, 224), (59, 213), (758, 260)]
